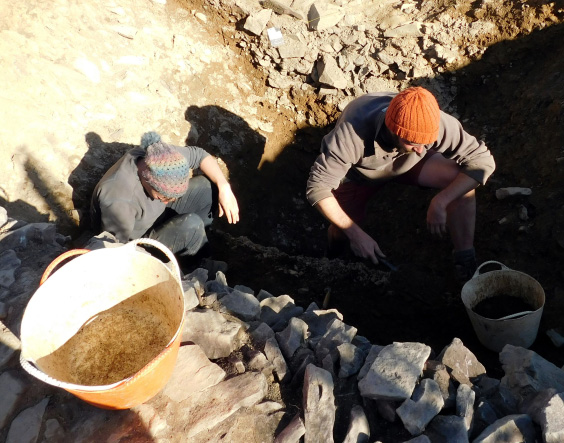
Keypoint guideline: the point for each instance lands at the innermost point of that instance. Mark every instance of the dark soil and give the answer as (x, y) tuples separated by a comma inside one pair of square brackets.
[(501, 305)]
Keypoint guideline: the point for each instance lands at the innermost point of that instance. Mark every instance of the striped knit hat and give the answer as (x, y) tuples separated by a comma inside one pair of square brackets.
[(167, 169), (414, 115)]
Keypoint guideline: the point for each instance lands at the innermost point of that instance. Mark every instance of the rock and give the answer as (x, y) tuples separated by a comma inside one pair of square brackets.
[(318, 405), (208, 408), (9, 344), (193, 372), (526, 372), (12, 391), (191, 299), (262, 333), (330, 74), (317, 320), (534, 405), (512, 428), (438, 372), (321, 16), (293, 432), (465, 397), (216, 335), (503, 193), (372, 354), (359, 429), (552, 421), (556, 337), (292, 337), (9, 262), (416, 412), (395, 371), (336, 334), (256, 22), (3, 216), (484, 415), (292, 48), (242, 305), (274, 356), (463, 364), (39, 233), (447, 429), (407, 30), (278, 310), (350, 359), (25, 427)]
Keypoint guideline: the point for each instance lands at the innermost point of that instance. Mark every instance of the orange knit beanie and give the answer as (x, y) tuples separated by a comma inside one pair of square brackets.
[(414, 115)]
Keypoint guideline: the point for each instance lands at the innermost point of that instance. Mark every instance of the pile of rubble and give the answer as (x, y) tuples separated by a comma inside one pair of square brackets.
[(259, 365), (345, 48)]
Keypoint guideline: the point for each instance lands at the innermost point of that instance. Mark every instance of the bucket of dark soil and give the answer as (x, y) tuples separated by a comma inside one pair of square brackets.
[(505, 306)]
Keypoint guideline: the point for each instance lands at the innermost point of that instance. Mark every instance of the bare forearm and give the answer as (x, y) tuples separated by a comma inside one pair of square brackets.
[(211, 169), (460, 186)]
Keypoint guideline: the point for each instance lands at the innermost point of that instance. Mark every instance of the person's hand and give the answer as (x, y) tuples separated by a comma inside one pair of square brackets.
[(364, 246), (228, 204), (437, 218)]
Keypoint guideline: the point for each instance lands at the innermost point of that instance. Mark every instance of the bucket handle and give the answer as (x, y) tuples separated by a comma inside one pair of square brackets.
[(502, 266), (172, 265), (58, 261)]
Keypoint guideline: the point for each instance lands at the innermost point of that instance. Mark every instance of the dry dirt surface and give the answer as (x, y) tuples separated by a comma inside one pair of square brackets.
[(82, 82)]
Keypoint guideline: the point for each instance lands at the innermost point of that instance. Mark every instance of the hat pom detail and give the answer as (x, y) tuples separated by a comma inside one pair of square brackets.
[(149, 138)]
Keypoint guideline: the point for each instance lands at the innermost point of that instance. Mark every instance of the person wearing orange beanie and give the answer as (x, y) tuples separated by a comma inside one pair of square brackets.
[(406, 138)]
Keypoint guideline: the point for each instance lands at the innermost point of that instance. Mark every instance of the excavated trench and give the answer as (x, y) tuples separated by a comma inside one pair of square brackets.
[(513, 97)]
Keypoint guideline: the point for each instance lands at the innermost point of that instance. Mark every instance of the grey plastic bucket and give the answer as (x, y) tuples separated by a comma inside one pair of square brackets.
[(519, 329)]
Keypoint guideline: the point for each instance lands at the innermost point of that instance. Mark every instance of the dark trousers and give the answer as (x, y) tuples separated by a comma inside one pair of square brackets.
[(182, 227)]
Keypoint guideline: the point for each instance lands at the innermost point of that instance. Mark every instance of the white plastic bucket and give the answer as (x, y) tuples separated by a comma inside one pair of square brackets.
[(519, 329)]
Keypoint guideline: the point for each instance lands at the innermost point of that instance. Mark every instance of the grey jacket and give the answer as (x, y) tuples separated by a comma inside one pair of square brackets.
[(120, 204), (351, 149)]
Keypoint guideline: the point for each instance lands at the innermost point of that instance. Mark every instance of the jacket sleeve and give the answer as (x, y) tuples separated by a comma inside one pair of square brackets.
[(472, 155), (118, 218), (340, 149)]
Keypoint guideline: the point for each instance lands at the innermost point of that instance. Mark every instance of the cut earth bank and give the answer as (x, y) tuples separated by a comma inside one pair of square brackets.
[(87, 80)]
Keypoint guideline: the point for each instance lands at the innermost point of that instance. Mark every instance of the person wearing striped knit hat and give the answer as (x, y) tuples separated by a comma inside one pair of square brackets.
[(402, 137), (150, 192)]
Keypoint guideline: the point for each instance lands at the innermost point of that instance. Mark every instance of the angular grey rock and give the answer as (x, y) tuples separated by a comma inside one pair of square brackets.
[(263, 294), (359, 429), (278, 310), (268, 407), (330, 74), (12, 390), (460, 360), (318, 405), (484, 415), (256, 22), (407, 30), (438, 372), (53, 430), (321, 16), (426, 402), (216, 335), (25, 427), (206, 409), (372, 354), (193, 372), (486, 386), (526, 372), (191, 299), (242, 305), (302, 358), (395, 371), (512, 428), (292, 337), (465, 398), (274, 356), (350, 359), (257, 361), (337, 333), (503, 193), (3, 216), (386, 409), (534, 405), (318, 320), (199, 275), (292, 48), (262, 333), (9, 344), (420, 439), (9, 262), (447, 429), (293, 432), (552, 422)]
